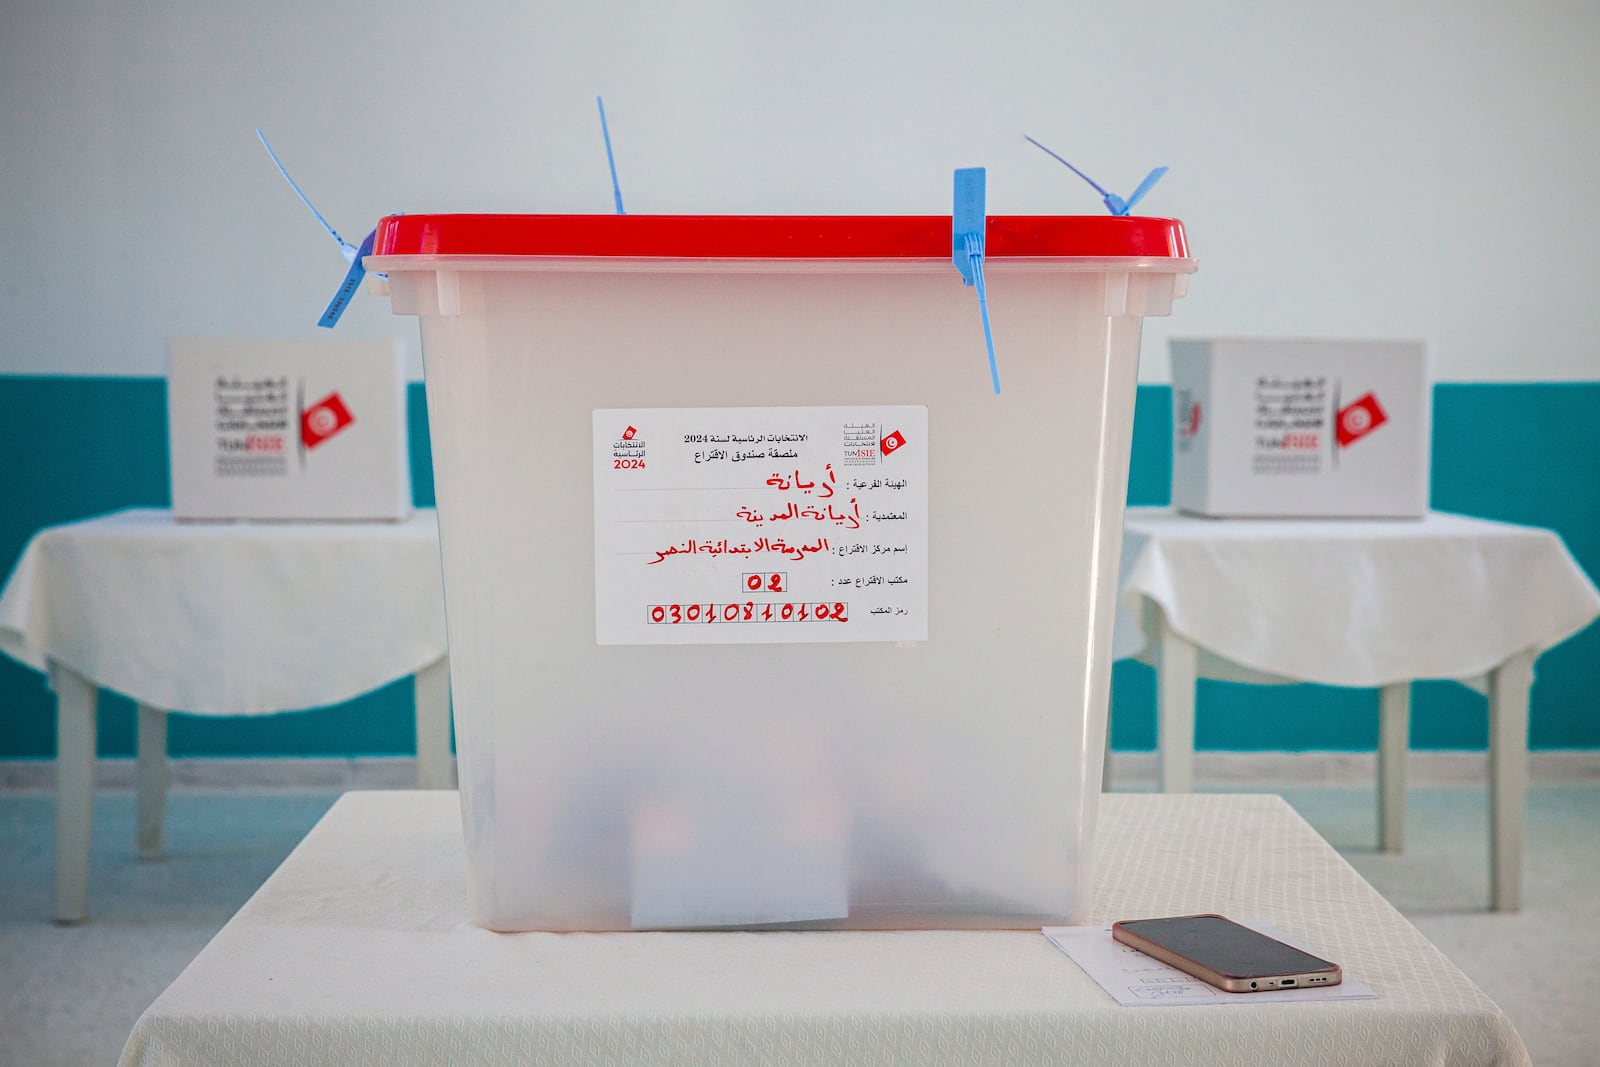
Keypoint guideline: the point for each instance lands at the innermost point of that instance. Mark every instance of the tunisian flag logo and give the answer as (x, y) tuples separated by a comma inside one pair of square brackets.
[(1191, 420), (323, 419), (893, 443), (1359, 418)]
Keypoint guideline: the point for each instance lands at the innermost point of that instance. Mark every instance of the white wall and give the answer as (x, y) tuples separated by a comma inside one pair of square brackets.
[(1362, 169)]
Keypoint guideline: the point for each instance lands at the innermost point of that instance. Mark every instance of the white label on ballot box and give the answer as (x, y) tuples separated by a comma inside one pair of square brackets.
[(760, 525)]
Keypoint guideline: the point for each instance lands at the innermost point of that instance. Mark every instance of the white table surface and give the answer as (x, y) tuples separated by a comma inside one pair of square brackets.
[(220, 618), (359, 951), (1349, 601)]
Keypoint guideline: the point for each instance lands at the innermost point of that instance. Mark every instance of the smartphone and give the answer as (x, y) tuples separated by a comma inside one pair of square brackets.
[(1222, 953)]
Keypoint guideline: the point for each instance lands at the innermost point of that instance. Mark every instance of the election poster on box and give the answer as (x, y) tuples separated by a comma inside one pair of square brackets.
[(761, 525), (302, 429)]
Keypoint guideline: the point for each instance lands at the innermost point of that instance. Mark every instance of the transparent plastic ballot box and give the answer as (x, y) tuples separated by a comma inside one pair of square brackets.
[(764, 608)]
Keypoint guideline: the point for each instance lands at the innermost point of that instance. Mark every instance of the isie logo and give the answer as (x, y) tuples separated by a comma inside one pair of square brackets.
[(1359, 418), (324, 419)]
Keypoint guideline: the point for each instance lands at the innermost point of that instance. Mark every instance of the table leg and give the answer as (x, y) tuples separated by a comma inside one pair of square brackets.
[(1175, 682), (1508, 777), (77, 701), (431, 690), (1394, 741), (152, 779)]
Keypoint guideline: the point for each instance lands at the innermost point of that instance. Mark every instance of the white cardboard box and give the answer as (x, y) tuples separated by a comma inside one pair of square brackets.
[(1300, 428), (309, 428)]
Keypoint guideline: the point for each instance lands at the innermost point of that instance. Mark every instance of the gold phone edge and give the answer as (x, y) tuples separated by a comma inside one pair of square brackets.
[(1264, 983)]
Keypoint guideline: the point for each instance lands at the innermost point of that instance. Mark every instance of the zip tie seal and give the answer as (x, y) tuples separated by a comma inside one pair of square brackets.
[(611, 160), (1114, 203), (968, 222)]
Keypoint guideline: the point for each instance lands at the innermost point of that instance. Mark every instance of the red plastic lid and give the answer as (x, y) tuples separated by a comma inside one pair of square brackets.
[(773, 236)]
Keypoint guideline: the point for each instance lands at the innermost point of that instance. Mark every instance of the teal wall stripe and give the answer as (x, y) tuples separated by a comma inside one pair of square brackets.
[(421, 447), (1527, 453)]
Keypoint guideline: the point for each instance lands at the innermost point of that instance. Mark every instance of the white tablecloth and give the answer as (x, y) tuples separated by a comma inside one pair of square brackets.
[(359, 951), (1350, 602), (229, 618)]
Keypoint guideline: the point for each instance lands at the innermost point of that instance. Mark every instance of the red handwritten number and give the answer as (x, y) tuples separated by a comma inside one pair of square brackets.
[(753, 583), (775, 584), (804, 611)]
